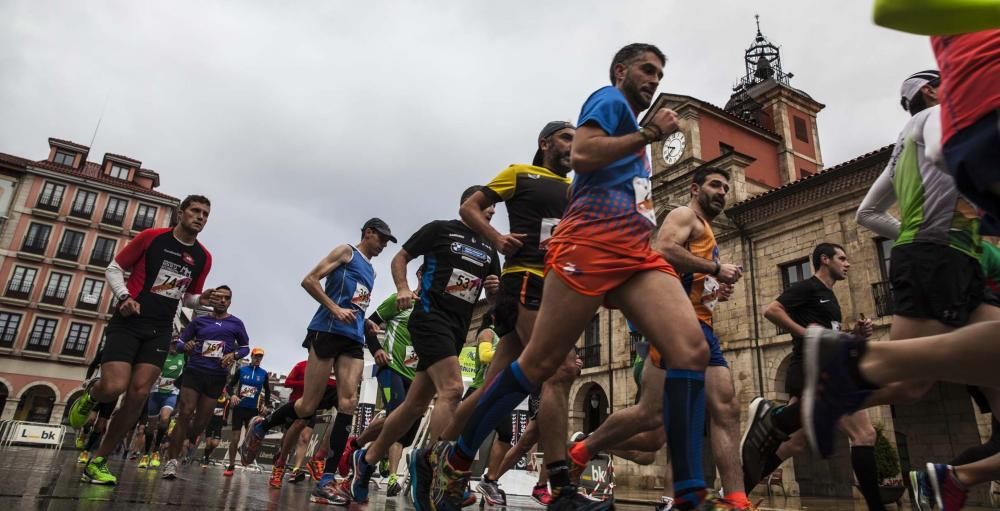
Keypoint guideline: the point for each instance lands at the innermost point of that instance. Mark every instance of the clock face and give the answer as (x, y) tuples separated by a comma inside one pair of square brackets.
[(673, 147)]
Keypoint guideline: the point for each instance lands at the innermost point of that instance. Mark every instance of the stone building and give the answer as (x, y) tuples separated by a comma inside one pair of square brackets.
[(62, 219)]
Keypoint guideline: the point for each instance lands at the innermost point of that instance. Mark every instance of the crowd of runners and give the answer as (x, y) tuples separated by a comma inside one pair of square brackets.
[(575, 245)]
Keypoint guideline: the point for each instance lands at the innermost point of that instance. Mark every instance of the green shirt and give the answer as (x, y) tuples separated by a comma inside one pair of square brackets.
[(402, 358), (991, 265), (172, 368), (481, 367)]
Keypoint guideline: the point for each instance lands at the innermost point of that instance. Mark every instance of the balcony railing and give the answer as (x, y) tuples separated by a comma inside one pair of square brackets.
[(35, 245), (17, 292), (81, 213), (68, 254), (591, 355), (142, 223), (101, 259), (53, 299), (882, 294), (111, 218)]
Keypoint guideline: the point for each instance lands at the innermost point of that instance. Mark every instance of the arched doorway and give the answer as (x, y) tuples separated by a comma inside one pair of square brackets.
[(595, 408), (4, 392), (36, 404), (69, 405)]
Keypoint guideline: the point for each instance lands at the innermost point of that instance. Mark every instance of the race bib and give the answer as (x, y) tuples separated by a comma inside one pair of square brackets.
[(464, 285), (171, 281), (165, 383), (835, 325), (362, 297), (211, 349), (548, 227), (644, 197), (247, 391), (218, 411), (710, 292), (411, 359)]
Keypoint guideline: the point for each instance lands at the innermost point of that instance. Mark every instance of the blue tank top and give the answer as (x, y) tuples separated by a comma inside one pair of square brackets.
[(350, 287), (251, 381)]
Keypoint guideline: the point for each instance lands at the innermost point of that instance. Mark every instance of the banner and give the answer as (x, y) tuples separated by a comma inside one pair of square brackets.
[(38, 434)]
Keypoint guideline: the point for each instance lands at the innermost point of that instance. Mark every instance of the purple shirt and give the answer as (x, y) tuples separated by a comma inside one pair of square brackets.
[(215, 338)]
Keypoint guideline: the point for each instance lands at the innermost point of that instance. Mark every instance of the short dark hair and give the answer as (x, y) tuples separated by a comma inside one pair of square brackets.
[(631, 52), (190, 199), (468, 193), (702, 173), (824, 249), (227, 288)]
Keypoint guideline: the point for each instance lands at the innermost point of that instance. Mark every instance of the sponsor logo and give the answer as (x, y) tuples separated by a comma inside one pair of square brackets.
[(187, 258), (823, 301), (474, 253)]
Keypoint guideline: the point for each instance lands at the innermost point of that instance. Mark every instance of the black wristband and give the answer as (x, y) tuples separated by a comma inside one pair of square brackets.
[(718, 267)]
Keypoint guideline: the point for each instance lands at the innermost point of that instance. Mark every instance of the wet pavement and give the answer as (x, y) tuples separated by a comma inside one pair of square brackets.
[(43, 479)]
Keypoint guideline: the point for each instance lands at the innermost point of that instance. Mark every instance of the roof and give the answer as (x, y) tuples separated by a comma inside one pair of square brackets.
[(722, 112), (122, 157), (69, 143), (90, 170)]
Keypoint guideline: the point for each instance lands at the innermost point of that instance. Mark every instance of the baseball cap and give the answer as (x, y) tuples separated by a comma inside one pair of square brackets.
[(912, 85), (257, 351), (380, 227), (547, 132)]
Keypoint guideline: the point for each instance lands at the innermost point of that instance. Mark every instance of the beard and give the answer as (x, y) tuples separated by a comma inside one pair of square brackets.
[(634, 95)]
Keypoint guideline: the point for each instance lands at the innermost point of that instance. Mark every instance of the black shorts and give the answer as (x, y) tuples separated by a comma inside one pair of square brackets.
[(931, 281), (203, 382), (242, 417), (795, 376), (214, 429), (435, 340), (327, 345), (136, 341), (522, 289)]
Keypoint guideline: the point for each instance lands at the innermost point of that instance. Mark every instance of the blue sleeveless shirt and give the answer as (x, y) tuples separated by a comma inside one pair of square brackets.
[(350, 287)]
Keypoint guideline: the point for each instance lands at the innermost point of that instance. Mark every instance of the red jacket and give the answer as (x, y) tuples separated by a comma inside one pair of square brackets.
[(296, 381)]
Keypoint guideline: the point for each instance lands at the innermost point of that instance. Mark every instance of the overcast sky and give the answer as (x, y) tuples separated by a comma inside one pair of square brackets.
[(300, 120)]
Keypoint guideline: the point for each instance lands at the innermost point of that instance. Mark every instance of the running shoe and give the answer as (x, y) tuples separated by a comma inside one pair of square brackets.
[(920, 485), (393, 487), (277, 475), (491, 492), (298, 475), (204, 462), (421, 476), (579, 436), (315, 468), (96, 472), (80, 410), (568, 498), (760, 441), (228, 472), (155, 460), (665, 504), (79, 442), (83, 458), (326, 492), (948, 492), (134, 456), (448, 484), (540, 494), (576, 470), (170, 470), (469, 498), (383, 467), (144, 461), (362, 475), (344, 467), (832, 389), (252, 441)]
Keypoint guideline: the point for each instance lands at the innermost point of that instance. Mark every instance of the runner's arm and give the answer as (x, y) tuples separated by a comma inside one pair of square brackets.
[(243, 341), (371, 342), (398, 267), (873, 211), (234, 380), (594, 149), (672, 236), (473, 212), (311, 282), (486, 346), (777, 314), (115, 275)]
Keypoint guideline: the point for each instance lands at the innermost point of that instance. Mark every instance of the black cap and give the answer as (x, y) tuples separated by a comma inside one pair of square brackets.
[(380, 227), (547, 132)]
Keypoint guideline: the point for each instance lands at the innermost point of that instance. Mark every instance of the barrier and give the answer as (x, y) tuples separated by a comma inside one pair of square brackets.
[(32, 433)]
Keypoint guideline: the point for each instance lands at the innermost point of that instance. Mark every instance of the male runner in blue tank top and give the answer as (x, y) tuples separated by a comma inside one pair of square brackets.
[(335, 340)]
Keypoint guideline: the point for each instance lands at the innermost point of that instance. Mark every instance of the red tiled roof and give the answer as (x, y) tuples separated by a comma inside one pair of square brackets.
[(724, 113), (91, 171), (67, 142), (123, 157)]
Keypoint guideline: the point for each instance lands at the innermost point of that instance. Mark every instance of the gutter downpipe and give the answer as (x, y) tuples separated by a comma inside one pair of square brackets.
[(747, 245)]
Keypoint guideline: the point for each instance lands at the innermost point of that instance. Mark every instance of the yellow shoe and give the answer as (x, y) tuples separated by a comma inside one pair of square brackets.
[(84, 457), (155, 461), (144, 461)]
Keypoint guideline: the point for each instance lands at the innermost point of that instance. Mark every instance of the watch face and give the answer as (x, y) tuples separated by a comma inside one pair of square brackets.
[(673, 147)]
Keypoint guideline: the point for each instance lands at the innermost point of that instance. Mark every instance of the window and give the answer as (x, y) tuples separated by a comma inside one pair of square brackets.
[(64, 158), (77, 339), (57, 288), (114, 214), (42, 334), (800, 129), (119, 172), (83, 204), (51, 196), (591, 352), (9, 322), (884, 247), (794, 272), (144, 217), (104, 251), (37, 238), (725, 148), (90, 294), (21, 282), (70, 246)]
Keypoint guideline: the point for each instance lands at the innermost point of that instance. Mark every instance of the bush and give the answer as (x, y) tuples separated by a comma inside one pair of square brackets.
[(886, 458)]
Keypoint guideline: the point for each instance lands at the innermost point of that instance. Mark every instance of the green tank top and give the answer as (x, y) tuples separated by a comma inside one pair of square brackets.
[(172, 368)]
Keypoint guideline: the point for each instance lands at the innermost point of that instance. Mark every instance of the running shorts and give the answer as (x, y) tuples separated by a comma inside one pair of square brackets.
[(593, 271), (931, 281), (435, 339), (158, 401), (135, 341), (393, 387), (517, 289), (327, 345), (242, 417), (203, 382), (214, 429)]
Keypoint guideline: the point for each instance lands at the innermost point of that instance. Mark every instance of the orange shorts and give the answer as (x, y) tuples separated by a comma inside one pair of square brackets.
[(593, 271)]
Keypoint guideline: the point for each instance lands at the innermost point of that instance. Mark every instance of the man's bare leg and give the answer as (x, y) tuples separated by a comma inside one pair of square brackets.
[(625, 424), (724, 414), (138, 385), (447, 378)]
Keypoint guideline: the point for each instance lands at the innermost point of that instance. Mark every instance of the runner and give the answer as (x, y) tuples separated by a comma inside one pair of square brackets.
[(167, 266), (458, 264), (600, 253), (213, 433), (162, 401), (774, 433), (249, 389)]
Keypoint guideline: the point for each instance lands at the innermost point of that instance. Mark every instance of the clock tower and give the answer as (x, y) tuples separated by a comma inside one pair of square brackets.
[(765, 135)]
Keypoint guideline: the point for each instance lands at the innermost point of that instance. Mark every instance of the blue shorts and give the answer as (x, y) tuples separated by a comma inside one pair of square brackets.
[(715, 358), (973, 157), (394, 387), (158, 401)]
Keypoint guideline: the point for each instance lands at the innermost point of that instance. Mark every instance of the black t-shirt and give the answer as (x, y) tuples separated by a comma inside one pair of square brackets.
[(456, 260), (810, 301), (536, 198)]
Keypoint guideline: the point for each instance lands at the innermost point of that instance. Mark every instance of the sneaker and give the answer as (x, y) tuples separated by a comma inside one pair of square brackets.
[(540, 494), (170, 470), (948, 492), (491, 492), (204, 462), (326, 492), (252, 441), (362, 476), (155, 460), (96, 472), (344, 467), (576, 470), (79, 442), (80, 410), (393, 487), (228, 472), (760, 441), (277, 475), (298, 475), (421, 475), (448, 484), (717, 504), (83, 458), (666, 504), (469, 498), (568, 498), (831, 386), (579, 436), (383, 467), (315, 468), (144, 461), (920, 485)]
